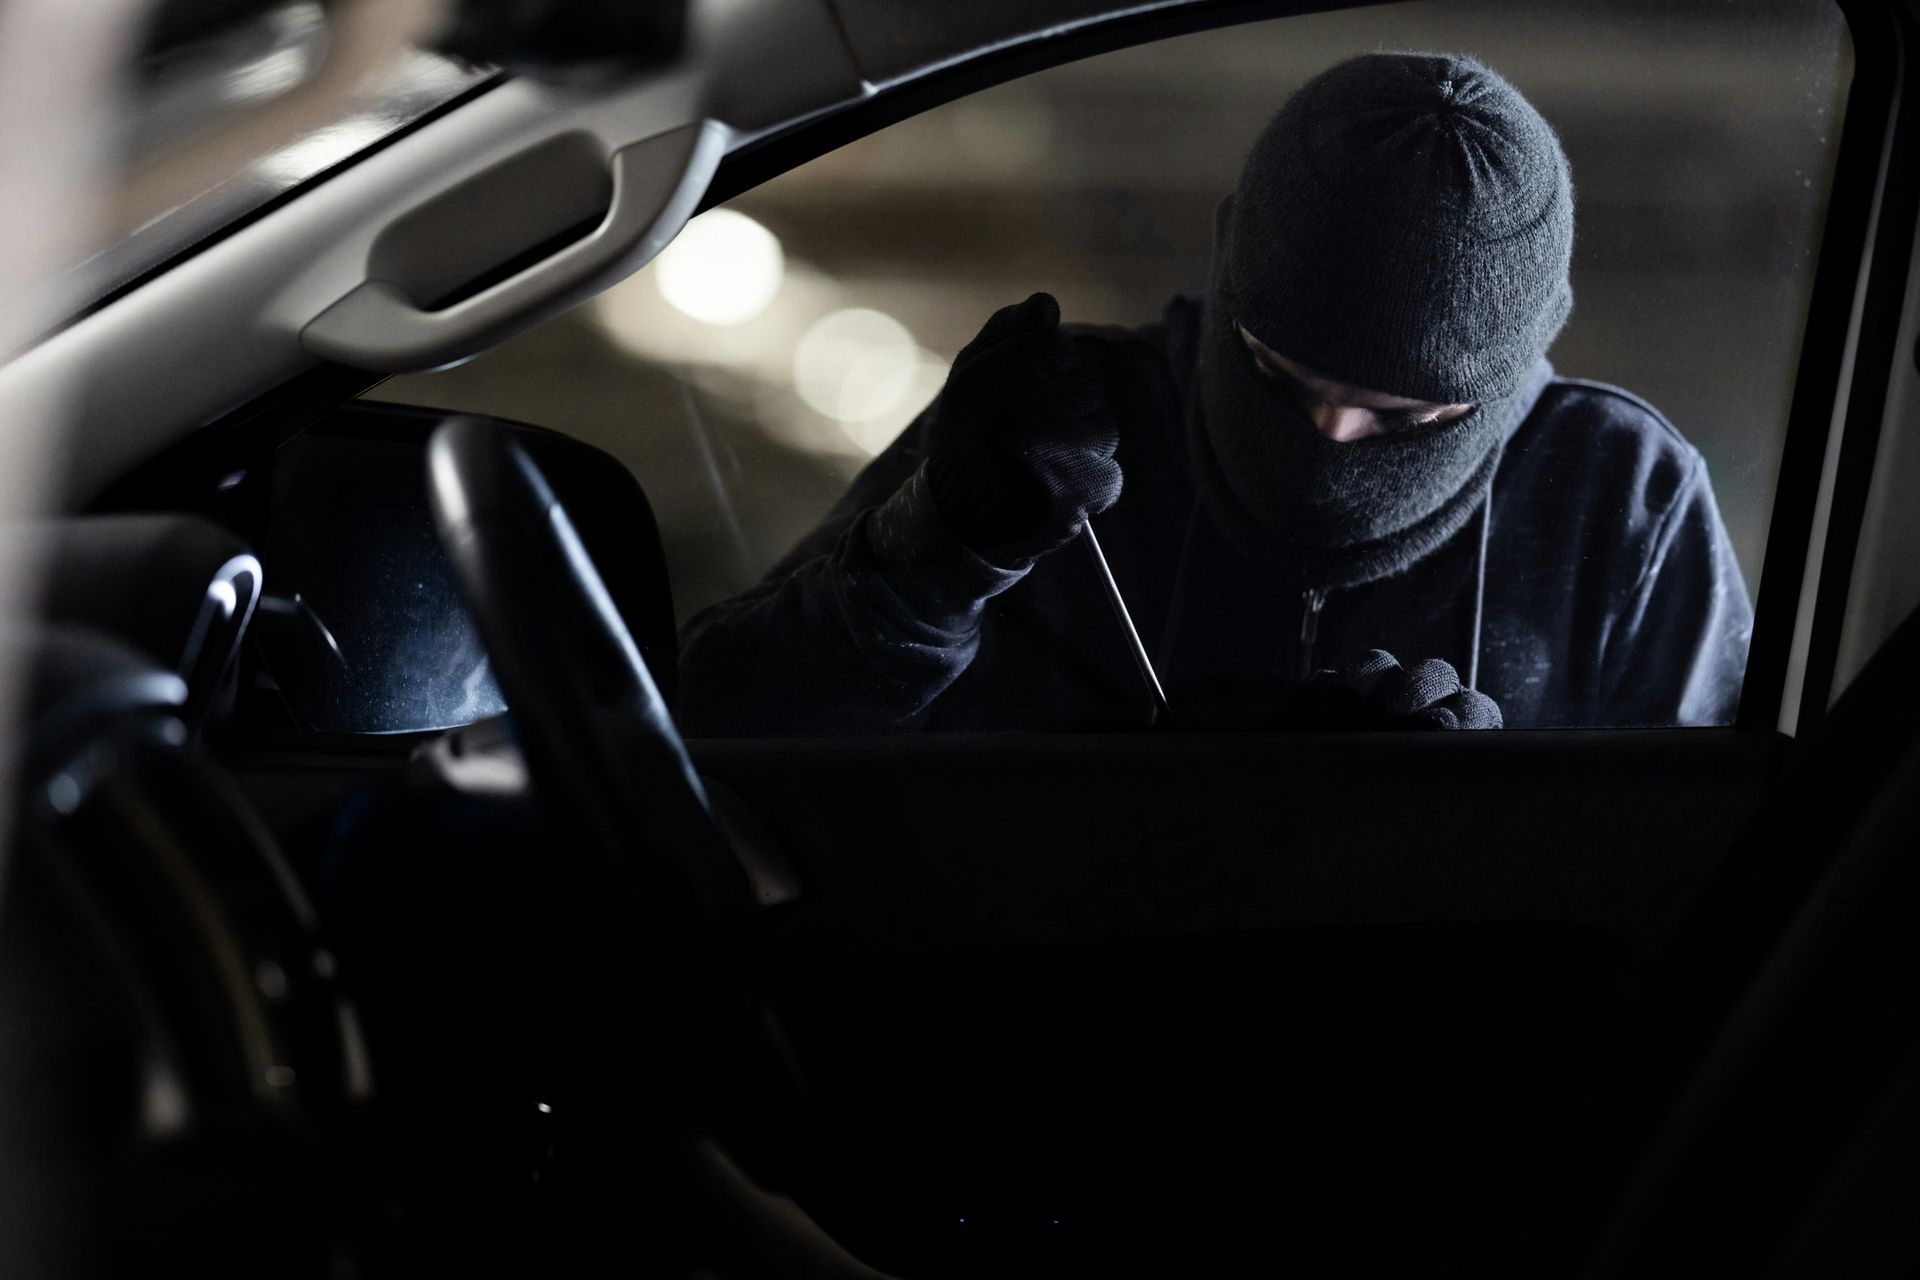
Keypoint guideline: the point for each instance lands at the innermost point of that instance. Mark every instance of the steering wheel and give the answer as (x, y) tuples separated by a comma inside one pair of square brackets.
[(653, 873), (588, 716)]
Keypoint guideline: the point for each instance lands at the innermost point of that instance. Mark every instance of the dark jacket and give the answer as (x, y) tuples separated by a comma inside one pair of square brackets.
[(1597, 587)]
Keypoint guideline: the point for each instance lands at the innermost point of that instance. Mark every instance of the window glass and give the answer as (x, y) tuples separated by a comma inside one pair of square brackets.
[(779, 347)]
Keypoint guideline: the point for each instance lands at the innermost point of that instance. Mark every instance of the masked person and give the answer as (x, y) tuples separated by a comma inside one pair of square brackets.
[(1351, 457)]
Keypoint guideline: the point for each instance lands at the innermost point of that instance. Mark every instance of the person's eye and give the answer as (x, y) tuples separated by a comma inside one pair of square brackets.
[(1408, 419)]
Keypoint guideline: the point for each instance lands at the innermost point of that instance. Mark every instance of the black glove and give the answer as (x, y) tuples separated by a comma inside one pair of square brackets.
[(1376, 692), (1020, 449)]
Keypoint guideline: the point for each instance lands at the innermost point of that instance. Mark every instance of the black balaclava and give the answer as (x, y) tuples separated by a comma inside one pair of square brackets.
[(1404, 225)]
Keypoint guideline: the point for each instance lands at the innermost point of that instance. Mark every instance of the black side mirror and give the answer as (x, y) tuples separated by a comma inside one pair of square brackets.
[(363, 628)]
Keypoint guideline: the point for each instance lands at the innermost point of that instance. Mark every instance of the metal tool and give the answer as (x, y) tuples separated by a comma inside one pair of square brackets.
[(1162, 713)]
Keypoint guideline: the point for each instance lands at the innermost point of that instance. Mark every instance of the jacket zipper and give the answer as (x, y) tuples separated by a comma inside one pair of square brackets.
[(1312, 600)]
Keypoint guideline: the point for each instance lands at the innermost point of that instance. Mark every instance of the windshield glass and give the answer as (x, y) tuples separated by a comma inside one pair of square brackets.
[(192, 90)]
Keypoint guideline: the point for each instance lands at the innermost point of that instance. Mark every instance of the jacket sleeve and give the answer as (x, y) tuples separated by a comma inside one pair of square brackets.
[(868, 619), (1679, 653)]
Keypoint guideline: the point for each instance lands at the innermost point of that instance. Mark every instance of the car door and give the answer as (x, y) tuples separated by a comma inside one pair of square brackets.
[(1172, 1000)]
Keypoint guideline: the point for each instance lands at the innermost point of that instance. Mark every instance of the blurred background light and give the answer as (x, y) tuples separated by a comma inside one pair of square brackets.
[(872, 434), (722, 269), (297, 34), (855, 365)]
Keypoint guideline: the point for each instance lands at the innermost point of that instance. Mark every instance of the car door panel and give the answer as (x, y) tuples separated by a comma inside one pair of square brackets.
[(1226, 993), (1003, 840)]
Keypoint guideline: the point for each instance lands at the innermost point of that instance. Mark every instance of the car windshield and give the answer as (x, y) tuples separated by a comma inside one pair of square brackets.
[(275, 57)]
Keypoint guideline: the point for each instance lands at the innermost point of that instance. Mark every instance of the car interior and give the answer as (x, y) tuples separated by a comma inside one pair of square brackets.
[(370, 915)]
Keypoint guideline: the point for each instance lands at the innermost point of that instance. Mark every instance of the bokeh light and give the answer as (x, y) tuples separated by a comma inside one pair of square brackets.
[(855, 365), (722, 269)]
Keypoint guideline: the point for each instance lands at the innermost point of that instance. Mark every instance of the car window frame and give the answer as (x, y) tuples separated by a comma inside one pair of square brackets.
[(1841, 383)]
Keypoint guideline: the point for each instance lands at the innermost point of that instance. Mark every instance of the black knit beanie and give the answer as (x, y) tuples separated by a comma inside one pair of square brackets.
[(1404, 224)]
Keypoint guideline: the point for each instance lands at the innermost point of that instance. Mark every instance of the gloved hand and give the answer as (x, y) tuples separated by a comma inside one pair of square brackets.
[(1376, 692), (1020, 449)]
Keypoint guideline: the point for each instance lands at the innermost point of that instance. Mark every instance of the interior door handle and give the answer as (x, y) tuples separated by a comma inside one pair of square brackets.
[(657, 185)]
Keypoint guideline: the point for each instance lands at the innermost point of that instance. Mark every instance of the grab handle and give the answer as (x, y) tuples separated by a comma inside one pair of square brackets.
[(657, 185)]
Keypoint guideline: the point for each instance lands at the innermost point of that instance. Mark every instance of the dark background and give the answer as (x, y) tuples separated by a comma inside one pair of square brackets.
[(1701, 136)]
